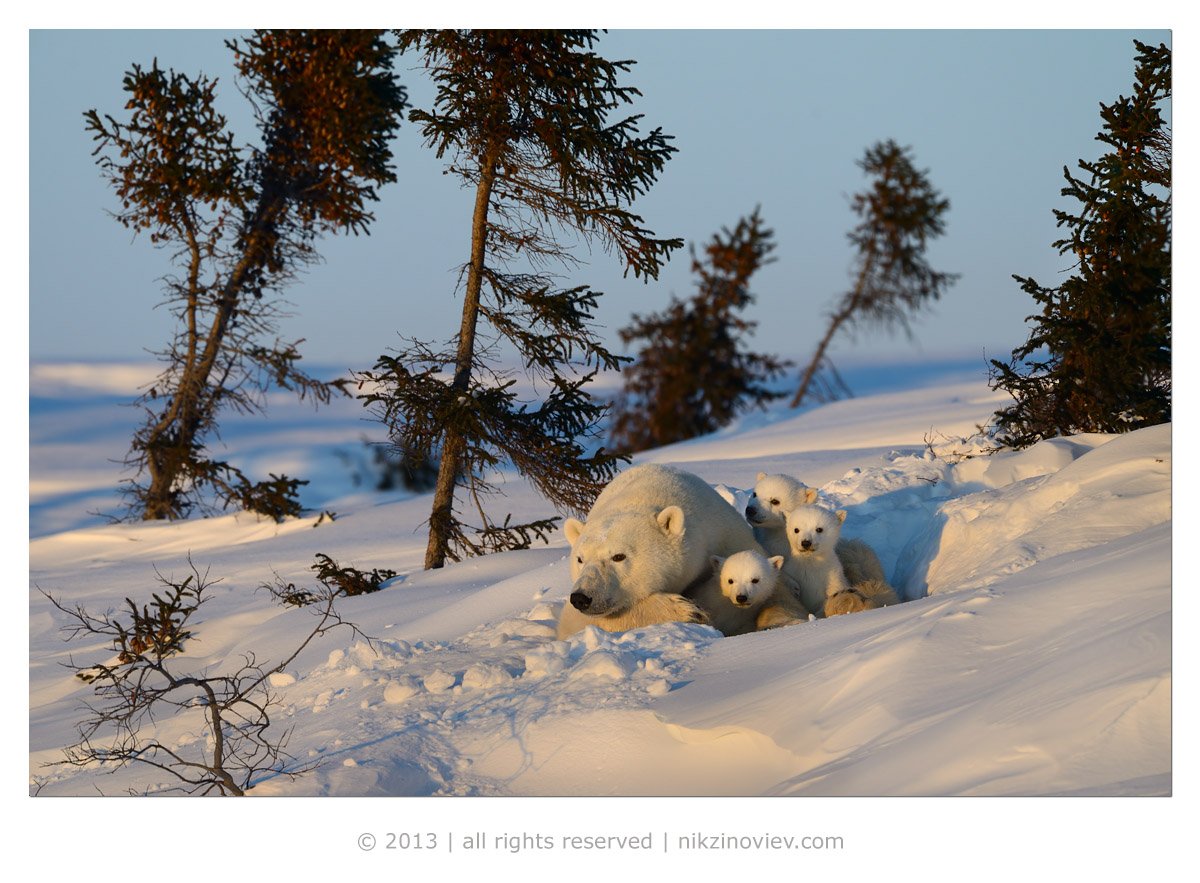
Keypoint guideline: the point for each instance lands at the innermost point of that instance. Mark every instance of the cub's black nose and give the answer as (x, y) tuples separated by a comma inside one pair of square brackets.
[(580, 601), (742, 599), (806, 544)]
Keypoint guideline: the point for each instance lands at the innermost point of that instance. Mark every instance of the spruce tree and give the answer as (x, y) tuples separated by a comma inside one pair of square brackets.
[(1098, 357), (694, 373), (239, 224), (900, 213), (526, 120)]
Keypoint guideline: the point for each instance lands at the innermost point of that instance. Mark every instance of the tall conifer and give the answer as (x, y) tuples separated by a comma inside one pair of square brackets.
[(1098, 358), (240, 223), (899, 213), (526, 120), (694, 373)]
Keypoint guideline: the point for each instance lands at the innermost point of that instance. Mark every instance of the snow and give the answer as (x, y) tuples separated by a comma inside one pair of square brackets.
[(1033, 656)]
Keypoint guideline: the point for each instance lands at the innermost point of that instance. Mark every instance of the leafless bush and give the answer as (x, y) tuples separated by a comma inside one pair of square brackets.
[(144, 682)]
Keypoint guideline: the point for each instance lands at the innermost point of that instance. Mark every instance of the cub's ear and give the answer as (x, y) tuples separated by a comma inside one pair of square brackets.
[(761, 476), (572, 527), (810, 496), (776, 561), (717, 562), (841, 516), (671, 521)]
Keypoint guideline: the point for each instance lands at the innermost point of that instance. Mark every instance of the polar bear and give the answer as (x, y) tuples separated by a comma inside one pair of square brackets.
[(814, 533), (774, 496), (643, 554), (754, 594)]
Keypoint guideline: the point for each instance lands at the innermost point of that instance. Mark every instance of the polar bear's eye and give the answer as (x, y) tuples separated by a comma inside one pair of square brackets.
[(579, 559), (731, 581), (795, 530), (774, 502), (754, 580), (820, 530), (620, 556)]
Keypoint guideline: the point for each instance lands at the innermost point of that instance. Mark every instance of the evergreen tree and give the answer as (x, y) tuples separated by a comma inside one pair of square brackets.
[(899, 214), (694, 373), (526, 119), (240, 223), (1098, 358)]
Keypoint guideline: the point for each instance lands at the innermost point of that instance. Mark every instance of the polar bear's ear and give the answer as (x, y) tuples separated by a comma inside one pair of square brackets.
[(761, 476), (572, 527), (776, 561), (671, 521), (810, 496), (841, 516)]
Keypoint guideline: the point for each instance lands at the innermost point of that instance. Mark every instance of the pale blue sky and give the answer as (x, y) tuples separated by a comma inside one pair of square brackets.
[(776, 118)]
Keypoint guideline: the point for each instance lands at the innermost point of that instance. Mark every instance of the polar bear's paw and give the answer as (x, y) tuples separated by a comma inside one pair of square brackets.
[(665, 608)]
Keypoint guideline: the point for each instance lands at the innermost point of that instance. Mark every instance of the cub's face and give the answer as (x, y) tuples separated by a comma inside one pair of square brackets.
[(747, 578), (620, 560), (774, 496), (813, 531)]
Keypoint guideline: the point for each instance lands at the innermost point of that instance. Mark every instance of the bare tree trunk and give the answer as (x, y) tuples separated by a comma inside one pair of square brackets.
[(441, 519), (811, 371), (848, 309), (184, 416)]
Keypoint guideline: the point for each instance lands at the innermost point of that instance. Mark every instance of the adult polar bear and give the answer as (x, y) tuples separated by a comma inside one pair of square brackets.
[(648, 543)]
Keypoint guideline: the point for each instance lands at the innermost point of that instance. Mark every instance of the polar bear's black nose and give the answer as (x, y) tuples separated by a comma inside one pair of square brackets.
[(806, 544), (742, 599), (580, 601)]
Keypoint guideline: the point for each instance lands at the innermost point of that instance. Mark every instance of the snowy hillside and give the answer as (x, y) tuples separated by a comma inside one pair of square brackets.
[(1033, 656)]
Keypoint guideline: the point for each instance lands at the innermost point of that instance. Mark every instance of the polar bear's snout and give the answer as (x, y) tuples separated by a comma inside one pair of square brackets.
[(597, 592)]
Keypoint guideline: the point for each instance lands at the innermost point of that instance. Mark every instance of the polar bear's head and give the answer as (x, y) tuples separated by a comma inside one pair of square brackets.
[(747, 578), (813, 531), (774, 497), (623, 558)]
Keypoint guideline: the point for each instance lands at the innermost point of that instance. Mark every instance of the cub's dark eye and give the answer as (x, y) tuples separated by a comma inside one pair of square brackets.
[(731, 582), (755, 580), (774, 502), (795, 530), (820, 530), (620, 556), (580, 560)]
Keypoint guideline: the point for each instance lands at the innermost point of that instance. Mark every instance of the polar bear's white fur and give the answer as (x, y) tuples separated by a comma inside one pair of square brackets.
[(646, 545), (774, 497), (754, 594), (816, 552)]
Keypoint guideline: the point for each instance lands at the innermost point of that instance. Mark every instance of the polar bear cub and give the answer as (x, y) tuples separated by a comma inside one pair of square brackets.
[(816, 551), (748, 592), (773, 497), (752, 582)]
